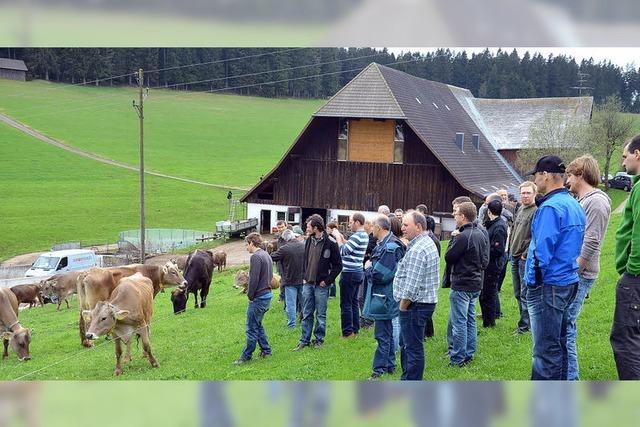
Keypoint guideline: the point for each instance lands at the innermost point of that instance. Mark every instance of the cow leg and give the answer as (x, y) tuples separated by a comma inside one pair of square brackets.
[(118, 369), (203, 297), (146, 345), (83, 333), (127, 354), (65, 300), (58, 307), (195, 297), (5, 354)]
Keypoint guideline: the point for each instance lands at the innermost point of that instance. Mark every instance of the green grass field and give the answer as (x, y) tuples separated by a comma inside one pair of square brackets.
[(49, 195), (202, 344)]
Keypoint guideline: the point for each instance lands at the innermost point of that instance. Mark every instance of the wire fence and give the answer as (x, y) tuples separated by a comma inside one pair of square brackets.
[(163, 240)]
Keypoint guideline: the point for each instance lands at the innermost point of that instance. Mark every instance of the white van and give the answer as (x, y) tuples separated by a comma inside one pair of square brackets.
[(56, 262)]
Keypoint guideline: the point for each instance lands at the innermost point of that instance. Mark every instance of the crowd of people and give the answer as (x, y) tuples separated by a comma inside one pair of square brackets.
[(389, 268)]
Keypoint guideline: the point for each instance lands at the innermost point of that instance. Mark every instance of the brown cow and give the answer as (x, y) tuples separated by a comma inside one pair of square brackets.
[(27, 294), (59, 287), (242, 281), (14, 333), (219, 259), (127, 314), (97, 284)]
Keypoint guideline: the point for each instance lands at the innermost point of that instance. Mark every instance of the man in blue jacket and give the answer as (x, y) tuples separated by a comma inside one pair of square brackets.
[(379, 303), (551, 271)]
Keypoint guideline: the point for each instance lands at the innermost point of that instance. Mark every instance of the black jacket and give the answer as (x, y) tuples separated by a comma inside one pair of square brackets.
[(468, 255), (497, 230), (291, 256), (330, 264)]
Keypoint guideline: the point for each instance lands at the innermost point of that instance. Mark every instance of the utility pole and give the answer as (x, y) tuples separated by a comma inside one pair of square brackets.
[(140, 109), (582, 79)]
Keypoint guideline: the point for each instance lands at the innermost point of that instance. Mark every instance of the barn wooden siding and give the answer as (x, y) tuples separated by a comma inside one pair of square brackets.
[(13, 74), (311, 176)]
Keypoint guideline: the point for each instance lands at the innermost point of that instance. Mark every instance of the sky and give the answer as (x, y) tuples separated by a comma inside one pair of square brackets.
[(621, 56)]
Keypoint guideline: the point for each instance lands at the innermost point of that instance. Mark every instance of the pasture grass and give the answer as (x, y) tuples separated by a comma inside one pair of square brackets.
[(202, 344), (220, 139), (50, 196)]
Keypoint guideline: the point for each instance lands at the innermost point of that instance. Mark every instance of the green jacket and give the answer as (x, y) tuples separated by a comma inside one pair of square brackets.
[(628, 234)]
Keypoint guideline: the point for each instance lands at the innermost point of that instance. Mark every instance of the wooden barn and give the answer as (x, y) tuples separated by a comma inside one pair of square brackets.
[(13, 69), (386, 137)]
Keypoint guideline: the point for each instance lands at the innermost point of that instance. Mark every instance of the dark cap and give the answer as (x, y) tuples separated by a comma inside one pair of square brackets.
[(551, 164)]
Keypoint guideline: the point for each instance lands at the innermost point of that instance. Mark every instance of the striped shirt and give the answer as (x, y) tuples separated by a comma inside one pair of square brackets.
[(418, 276), (353, 252)]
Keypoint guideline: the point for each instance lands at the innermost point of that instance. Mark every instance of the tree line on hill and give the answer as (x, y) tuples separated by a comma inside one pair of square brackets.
[(282, 72)]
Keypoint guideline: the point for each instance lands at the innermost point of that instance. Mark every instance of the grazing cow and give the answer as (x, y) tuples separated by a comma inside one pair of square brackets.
[(27, 294), (97, 284), (14, 334), (59, 287), (242, 281), (219, 259), (198, 274), (127, 314)]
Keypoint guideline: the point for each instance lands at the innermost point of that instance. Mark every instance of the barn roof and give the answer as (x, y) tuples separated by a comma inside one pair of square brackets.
[(507, 122), (12, 64), (366, 96)]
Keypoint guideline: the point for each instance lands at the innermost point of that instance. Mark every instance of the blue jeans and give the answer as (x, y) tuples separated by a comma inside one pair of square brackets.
[(349, 310), (549, 314), (584, 286), (520, 292), (292, 295), (255, 331), (463, 331), (412, 323), (384, 359), (314, 300)]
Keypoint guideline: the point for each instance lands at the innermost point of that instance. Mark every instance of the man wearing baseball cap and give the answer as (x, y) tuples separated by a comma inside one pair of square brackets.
[(551, 271)]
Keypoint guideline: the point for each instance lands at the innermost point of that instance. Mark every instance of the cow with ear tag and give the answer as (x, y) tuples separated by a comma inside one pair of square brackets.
[(127, 314), (14, 334)]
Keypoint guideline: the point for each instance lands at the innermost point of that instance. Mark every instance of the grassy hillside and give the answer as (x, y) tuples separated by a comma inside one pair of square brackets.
[(202, 344), (50, 196), (223, 139)]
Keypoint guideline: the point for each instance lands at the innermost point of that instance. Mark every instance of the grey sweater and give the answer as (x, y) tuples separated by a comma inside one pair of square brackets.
[(260, 274), (597, 207)]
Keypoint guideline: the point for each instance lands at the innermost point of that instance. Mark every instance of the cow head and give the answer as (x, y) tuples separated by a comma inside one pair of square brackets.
[(179, 298), (48, 288), (103, 319), (172, 276), (19, 341)]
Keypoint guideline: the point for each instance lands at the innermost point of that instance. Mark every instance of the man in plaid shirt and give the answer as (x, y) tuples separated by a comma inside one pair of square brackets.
[(415, 288)]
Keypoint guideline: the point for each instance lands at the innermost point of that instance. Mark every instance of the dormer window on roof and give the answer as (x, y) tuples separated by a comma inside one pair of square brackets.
[(435, 105), (419, 102)]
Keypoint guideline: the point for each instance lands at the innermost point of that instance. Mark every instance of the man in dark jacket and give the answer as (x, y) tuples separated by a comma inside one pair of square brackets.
[(497, 230), (259, 295), (291, 256), (322, 264), (468, 255), (379, 302)]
